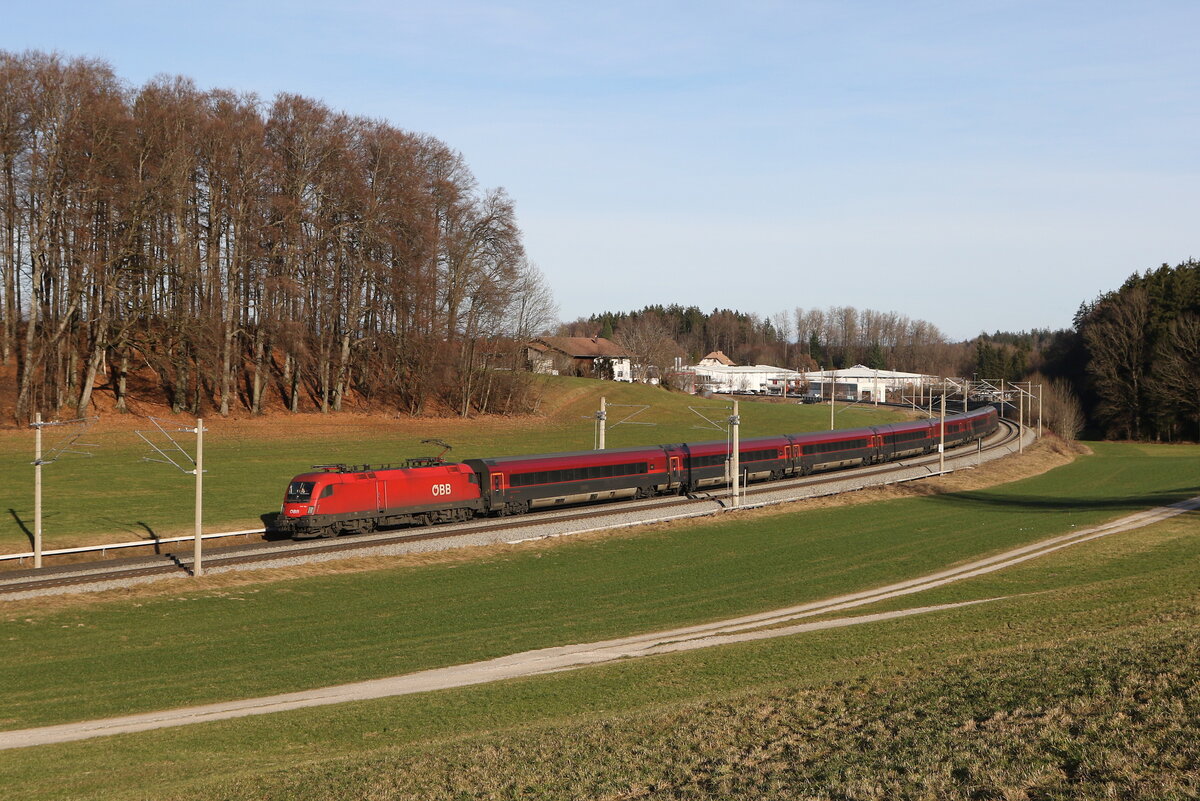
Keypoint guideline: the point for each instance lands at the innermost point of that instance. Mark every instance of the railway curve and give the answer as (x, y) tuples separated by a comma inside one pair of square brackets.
[(90, 576)]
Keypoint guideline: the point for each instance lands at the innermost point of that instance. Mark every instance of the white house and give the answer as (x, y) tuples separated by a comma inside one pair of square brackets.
[(590, 357)]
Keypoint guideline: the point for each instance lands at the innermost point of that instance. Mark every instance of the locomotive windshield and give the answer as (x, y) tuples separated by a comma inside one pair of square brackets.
[(300, 491)]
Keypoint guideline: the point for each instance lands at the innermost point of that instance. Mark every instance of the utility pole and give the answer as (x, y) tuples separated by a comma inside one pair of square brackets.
[(1039, 411), (832, 385), (37, 490), (1020, 421), (64, 444), (601, 416), (734, 422), (174, 455), (942, 434), (197, 569)]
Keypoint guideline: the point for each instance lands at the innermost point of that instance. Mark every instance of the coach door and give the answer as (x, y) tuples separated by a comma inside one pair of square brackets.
[(497, 484)]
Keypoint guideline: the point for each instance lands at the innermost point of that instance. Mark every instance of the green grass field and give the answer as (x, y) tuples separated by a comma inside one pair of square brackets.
[(116, 496), (868, 711)]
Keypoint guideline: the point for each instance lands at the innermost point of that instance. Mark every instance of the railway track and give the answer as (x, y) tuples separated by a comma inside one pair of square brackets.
[(494, 530)]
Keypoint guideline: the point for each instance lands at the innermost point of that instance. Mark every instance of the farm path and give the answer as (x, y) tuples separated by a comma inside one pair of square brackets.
[(776, 623)]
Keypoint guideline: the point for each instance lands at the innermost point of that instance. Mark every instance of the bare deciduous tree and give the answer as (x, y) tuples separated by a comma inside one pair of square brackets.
[(647, 339), (228, 253)]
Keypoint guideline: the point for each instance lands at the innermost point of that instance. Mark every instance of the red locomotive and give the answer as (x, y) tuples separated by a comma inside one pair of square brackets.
[(356, 499)]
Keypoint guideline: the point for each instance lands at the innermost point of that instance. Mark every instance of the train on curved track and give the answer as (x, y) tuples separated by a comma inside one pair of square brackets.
[(337, 499)]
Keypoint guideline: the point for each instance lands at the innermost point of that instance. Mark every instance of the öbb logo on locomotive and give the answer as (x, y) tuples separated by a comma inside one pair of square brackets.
[(337, 499)]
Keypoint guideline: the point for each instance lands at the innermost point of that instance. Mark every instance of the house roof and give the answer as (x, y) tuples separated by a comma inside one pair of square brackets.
[(719, 356), (581, 347)]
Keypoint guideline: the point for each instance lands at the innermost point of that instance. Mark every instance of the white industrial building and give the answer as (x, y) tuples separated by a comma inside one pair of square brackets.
[(717, 374), (757, 379), (864, 383)]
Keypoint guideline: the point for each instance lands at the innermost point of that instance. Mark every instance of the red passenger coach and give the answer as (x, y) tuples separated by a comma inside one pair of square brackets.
[(515, 484), (758, 458), (357, 499), (833, 450), (335, 498)]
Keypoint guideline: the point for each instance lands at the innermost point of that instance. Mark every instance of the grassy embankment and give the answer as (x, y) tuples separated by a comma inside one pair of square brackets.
[(115, 495), (1081, 680)]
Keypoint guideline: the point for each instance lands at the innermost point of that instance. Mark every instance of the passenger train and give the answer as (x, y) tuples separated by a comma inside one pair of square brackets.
[(341, 499)]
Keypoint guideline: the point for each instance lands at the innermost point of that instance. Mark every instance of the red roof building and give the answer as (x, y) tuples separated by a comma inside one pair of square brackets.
[(590, 357)]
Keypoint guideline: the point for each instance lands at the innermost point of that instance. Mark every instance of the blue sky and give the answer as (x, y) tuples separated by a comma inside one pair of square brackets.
[(982, 165)]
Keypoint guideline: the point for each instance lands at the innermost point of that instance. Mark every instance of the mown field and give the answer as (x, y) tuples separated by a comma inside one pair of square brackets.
[(115, 495), (1080, 681)]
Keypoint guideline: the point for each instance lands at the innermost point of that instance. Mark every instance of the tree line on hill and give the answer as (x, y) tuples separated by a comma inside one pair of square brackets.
[(1129, 368), (800, 339), (233, 249)]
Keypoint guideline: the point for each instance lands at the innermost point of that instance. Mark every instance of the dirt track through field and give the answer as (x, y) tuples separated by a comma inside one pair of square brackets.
[(777, 623)]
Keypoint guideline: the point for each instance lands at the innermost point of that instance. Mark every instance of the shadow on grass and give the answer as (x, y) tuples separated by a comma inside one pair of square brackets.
[(21, 525), (1020, 503)]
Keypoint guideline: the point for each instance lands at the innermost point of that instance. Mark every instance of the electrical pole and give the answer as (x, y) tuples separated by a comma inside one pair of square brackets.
[(1021, 421), (64, 444), (1039, 411), (601, 416), (197, 568), (174, 455), (942, 434), (832, 385), (734, 422), (37, 490)]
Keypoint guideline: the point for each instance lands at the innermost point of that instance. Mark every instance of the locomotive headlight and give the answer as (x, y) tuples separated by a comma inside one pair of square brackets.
[(311, 509)]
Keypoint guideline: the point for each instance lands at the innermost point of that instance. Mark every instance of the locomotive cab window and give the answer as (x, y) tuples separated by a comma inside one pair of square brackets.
[(300, 491), (325, 493)]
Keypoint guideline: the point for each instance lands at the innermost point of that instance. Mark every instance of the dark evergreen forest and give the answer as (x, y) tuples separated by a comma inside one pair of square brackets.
[(1132, 357)]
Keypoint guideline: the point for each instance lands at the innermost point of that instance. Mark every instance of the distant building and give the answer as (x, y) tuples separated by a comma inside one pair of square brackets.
[(716, 374), (864, 383), (711, 375), (590, 357), (716, 359)]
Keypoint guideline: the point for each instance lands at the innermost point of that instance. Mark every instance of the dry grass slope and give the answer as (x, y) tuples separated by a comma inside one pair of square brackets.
[(1095, 717)]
